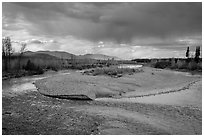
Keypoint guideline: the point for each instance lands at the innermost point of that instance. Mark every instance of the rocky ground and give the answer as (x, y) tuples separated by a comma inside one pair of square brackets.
[(33, 113)]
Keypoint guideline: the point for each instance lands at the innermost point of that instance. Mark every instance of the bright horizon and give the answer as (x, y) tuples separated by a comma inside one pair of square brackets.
[(124, 30)]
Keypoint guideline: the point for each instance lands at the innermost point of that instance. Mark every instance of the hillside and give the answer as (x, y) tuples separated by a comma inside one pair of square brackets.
[(97, 56), (38, 55), (59, 54), (66, 55)]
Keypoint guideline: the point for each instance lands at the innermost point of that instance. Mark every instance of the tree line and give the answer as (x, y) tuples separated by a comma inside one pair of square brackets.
[(196, 57), (8, 50)]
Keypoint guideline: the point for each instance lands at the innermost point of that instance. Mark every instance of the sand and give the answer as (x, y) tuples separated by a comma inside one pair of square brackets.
[(153, 102), (151, 81)]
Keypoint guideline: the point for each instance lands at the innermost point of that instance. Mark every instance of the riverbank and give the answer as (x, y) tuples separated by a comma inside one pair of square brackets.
[(113, 110), (34, 114), (18, 74), (146, 81)]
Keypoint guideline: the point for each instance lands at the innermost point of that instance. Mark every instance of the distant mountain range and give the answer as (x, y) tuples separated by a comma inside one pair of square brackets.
[(66, 55), (97, 57), (58, 54)]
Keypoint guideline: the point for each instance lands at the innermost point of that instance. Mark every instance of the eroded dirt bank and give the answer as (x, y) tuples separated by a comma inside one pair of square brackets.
[(33, 113)]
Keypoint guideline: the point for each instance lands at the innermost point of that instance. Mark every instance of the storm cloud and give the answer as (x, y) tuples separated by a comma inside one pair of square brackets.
[(135, 23)]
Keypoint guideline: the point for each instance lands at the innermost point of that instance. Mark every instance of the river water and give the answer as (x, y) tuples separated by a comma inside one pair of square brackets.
[(16, 86), (129, 66)]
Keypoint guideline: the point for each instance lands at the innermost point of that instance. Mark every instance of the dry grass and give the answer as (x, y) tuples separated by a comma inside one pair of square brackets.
[(112, 71)]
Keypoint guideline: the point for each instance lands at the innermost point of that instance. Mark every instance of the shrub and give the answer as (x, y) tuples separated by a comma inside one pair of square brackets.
[(32, 68), (194, 66), (54, 68), (174, 66), (38, 70), (162, 64), (29, 66), (182, 65), (112, 71)]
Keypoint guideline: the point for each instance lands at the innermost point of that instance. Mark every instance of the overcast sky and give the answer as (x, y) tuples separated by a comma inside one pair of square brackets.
[(125, 30)]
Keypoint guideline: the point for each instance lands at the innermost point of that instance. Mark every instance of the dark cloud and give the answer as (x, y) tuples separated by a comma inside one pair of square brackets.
[(119, 22)]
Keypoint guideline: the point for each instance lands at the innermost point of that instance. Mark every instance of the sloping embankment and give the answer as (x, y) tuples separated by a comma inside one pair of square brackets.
[(58, 87)]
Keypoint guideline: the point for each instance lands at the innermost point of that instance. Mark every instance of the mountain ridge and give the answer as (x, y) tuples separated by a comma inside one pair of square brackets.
[(67, 55)]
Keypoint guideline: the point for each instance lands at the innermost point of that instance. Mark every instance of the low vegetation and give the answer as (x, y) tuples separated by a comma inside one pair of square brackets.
[(33, 65), (112, 71), (191, 66), (20, 65)]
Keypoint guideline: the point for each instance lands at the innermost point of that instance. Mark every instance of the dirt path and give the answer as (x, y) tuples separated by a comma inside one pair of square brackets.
[(33, 113)]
